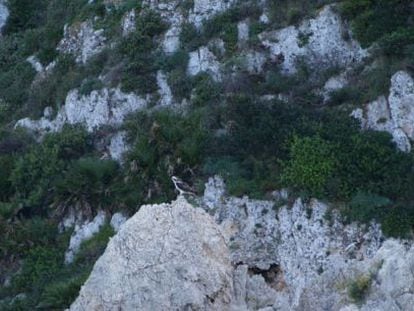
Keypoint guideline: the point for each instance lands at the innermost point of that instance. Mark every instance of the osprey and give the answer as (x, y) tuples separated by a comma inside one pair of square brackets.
[(181, 186)]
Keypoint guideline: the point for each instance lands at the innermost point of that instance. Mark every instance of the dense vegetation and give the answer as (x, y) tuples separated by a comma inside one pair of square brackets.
[(228, 128)]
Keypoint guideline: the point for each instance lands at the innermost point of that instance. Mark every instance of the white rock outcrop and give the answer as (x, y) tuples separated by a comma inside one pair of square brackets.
[(83, 232), (166, 257), (394, 114), (118, 146), (102, 107), (128, 23), (164, 90), (82, 41), (171, 13), (320, 42), (205, 9), (4, 13), (247, 255), (117, 220), (176, 14), (203, 60)]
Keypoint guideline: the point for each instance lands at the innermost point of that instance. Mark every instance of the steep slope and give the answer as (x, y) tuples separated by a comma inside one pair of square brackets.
[(103, 101), (254, 257)]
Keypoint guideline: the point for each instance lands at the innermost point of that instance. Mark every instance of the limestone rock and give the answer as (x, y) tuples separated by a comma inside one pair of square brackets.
[(394, 114), (256, 255), (172, 14), (4, 13), (166, 257), (203, 60), (82, 41), (205, 9), (32, 60), (320, 42), (102, 107), (117, 220), (333, 84), (118, 146), (401, 101), (83, 232), (166, 97), (243, 29), (128, 23)]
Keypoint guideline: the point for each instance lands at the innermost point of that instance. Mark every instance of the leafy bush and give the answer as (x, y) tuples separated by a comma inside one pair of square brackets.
[(374, 19), (35, 172), (166, 143), (61, 294), (139, 50), (359, 288), (311, 165), (365, 207), (86, 186)]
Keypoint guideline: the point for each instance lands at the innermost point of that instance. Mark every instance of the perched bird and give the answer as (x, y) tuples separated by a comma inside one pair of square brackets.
[(182, 187)]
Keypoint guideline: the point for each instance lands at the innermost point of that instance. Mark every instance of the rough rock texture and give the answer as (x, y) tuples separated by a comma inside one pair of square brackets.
[(394, 114), (103, 107), (173, 15), (118, 146), (203, 60), (128, 23), (164, 90), (247, 255), (243, 30), (166, 257), (333, 84), (4, 13), (205, 9), (83, 232), (117, 220), (319, 41), (82, 41), (36, 64)]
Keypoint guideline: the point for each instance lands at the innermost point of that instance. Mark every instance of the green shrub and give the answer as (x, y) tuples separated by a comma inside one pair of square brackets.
[(86, 186), (61, 294), (374, 19), (312, 163), (398, 221), (139, 50), (206, 91), (165, 143), (359, 288), (365, 207)]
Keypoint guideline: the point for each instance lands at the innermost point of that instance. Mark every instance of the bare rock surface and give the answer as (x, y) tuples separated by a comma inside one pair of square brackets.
[(83, 231), (4, 13), (247, 255), (393, 114), (166, 257), (82, 41), (319, 41), (101, 107)]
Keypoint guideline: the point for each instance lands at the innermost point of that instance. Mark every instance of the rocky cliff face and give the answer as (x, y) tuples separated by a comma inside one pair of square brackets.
[(394, 114), (230, 253), (168, 256), (245, 254), (323, 41)]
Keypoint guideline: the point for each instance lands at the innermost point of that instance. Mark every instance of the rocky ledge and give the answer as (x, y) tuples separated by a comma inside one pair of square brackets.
[(242, 254)]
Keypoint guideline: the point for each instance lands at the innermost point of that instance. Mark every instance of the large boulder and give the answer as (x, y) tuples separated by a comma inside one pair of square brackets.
[(166, 257)]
